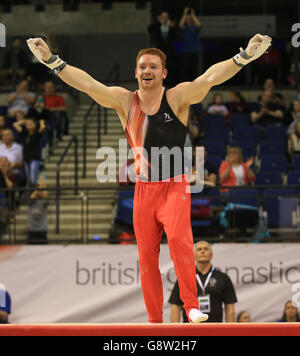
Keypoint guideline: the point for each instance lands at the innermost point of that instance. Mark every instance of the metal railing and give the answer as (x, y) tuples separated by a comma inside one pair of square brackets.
[(115, 70), (58, 188), (84, 213)]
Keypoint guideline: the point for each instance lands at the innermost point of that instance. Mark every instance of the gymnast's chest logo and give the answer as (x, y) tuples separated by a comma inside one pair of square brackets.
[(167, 117)]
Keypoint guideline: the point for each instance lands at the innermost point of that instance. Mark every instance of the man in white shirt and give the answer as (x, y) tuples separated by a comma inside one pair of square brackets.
[(14, 153), (21, 99)]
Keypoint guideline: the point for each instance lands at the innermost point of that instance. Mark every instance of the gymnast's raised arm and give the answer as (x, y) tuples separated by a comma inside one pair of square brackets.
[(110, 97)]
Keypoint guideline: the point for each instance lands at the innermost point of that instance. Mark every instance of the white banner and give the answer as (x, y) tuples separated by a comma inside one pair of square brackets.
[(101, 284)]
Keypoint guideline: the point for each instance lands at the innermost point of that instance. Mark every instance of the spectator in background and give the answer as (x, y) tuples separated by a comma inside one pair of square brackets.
[(21, 99), (8, 178), (290, 313), (294, 141), (56, 105), (218, 107), (293, 116), (37, 215), (3, 126), (214, 289), (210, 170), (243, 317), (16, 62), (267, 113), (233, 171), (277, 98), (163, 34), (39, 112), (31, 137), (14, 153), (5, 306), (237, 103), (190, 26), (16, 122)]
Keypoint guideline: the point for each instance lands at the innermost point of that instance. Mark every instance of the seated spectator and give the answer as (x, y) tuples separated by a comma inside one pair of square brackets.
[(17, 121), (8, 178), (277, 98), (14, 153), (217, 107), (5, 308), (290, 313), (243, 317), (21, 99), (233, 171), (210, 170), (37, 215), (3, 126), (57, 106), (39, 112), (31, 138), (15, 63), (267, 113), (294, 141), (237, 103), (292, 117)]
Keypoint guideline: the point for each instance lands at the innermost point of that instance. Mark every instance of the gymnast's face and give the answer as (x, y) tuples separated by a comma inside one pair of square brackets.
[(149, 71)]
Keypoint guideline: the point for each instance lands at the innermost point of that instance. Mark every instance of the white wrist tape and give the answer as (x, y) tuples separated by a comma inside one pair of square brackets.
[(54, 62), (242, 58)]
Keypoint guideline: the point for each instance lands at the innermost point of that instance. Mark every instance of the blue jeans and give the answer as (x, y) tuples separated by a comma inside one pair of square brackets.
[(32, 171)]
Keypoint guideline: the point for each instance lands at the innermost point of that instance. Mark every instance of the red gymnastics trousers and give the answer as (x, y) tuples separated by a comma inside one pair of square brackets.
[(157, 206)]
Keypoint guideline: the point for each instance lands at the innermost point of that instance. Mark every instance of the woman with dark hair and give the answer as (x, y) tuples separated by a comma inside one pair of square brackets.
[(290, 313), (218, 107), (237, 103)]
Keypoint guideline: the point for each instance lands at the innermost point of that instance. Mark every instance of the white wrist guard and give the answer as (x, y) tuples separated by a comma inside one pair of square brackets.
[(242, 58), (54, 62)]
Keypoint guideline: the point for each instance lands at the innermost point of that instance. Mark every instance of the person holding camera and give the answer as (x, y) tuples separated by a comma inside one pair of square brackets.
[(190, 26)]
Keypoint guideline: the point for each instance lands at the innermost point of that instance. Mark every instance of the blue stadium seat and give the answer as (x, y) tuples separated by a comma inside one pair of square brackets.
[(215, 197), (216, 133), (296, 163), (293, 178), (272, 147), (240, 120), (244, 196), (125, 207), (274, 164), (215, 147), (279, 207), (276, 133), (216, 160), (265, 178), (210, 120), (198, 109), (246, 133)]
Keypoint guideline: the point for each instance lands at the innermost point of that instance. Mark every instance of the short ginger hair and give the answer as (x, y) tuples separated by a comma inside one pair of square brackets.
[(155, 52)]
